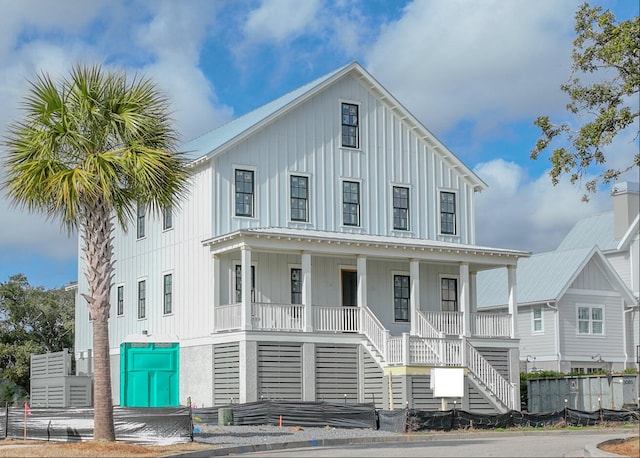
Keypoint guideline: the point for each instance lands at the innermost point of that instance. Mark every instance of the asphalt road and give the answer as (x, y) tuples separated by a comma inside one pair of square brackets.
[(528, 444)]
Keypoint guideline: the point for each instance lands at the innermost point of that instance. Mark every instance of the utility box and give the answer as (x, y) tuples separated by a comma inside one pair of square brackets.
[(52, 384)]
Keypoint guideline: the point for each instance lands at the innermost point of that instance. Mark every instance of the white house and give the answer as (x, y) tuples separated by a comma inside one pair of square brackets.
[(578, 305), (326, 252)]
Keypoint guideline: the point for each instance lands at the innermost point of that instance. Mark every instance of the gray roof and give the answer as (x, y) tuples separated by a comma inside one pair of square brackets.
[(541, 278), (592, 231)]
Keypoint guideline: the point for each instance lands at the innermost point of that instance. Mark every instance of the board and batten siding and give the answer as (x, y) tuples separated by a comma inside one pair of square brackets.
[(306, 140), (177, 251)]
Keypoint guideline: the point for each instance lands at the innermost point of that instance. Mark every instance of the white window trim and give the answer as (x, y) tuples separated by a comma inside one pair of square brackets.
[(351, 102), (533, 320), (452, 276), (145, 217), (253, 169), (124, 301), (146, 298), (408, 230), (172, 208), (405, 273), (173, 292), (341, 210), (298, 174), (590, 333), (457, 227), (232, 280)]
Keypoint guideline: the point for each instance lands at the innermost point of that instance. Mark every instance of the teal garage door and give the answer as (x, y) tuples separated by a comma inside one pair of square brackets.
[(149, 374)]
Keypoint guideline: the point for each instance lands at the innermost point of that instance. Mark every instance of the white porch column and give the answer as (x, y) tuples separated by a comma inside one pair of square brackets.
[(245, 260), (512, 283), (361, 262), (464, 298), (414, 294), (306, 291), (473, 299), (216, 281)]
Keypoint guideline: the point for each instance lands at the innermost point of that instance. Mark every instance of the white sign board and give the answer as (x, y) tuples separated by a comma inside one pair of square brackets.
[(447, 382)]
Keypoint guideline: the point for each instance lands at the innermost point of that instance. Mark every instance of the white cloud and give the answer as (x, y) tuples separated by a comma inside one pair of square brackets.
[(488, 62), (528, 215), (278, 20)]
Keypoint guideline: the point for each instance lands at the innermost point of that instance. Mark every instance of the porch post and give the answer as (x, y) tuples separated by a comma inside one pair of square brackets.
[(216, 281), (414, 295), (245, 260), (464, 298), (513, 299), (361, 262), (306, 291), (473, 300)]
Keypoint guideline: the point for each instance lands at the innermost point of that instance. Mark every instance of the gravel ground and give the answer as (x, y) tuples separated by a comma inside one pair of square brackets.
[(232, 436)]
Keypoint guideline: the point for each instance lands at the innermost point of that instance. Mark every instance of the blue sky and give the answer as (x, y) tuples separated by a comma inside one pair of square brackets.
[(476, 73)]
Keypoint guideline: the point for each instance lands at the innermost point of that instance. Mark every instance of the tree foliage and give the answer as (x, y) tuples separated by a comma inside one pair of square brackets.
[(32, 321), (603, 87), (90, 149)]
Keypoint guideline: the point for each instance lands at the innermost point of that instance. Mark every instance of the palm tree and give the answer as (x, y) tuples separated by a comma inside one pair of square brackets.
[(91, 148)]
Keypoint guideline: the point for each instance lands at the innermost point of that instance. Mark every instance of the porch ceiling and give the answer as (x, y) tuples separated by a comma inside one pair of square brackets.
[(324, 243)]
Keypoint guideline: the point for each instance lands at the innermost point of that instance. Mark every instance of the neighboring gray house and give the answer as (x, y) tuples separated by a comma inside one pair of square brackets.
[(578, 305), (326, 252)]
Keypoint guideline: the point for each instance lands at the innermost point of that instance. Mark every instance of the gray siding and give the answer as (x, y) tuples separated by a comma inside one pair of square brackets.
[(226, 376), (280, 371), (540, 344), (373, 381), (337, 373)]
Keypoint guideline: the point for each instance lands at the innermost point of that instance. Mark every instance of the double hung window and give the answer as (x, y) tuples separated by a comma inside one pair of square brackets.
[(351, 203), (244, 181), (400, 208), (350, 122), (299, 191), (401, 290), (448, 213)]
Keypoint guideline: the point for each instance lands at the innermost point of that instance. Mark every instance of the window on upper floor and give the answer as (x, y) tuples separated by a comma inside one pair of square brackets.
[(401, 208), (351, 203), (244, 181), (536, 324), (238, 286), (590, 320), (447, 213), (401, 291), (140, 222), (142, 299), (299, 191), (168, 294), (350, 123), (449, 294), (120, 300), (167, 218)]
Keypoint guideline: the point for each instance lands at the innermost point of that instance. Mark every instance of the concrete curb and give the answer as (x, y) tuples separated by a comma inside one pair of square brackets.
[(593, 450), (590, 450)]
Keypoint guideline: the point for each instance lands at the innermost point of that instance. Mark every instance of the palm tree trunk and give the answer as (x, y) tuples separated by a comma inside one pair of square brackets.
[(98, 249)]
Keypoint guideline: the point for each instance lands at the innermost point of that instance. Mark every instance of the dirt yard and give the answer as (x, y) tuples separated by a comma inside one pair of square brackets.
[(630, 447)]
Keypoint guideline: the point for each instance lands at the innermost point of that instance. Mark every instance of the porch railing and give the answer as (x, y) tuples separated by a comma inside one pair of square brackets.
[(425, 328), (277, 317), (445, 322), (490, 378), (336, 319), (491, 325), (228, 317)]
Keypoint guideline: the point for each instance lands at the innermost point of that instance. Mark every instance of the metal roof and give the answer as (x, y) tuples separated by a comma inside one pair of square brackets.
[(592, 231)]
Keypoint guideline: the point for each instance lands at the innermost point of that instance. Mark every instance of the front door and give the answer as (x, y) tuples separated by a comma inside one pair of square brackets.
[(349, 288)]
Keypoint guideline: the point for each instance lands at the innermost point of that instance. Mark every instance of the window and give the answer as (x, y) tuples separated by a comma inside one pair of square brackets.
[(140, 221), (537, 319), (120, 300), (401, 298), (590, 320), (350, 125), (400, 208), (167, 218), (244, 193), (449, 294), (239, 283), (299, 198), (448, 213), (296, 286), (351, 203), (168, 294), (142, 297)]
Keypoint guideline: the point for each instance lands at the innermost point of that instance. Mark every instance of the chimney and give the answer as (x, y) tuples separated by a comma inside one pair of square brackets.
[(626, 206)]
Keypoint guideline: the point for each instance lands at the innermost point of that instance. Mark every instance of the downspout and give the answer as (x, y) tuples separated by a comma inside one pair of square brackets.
[(556, 324), (624, 333)]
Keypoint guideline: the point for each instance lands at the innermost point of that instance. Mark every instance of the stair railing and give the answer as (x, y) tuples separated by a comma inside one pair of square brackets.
[(490, 378)]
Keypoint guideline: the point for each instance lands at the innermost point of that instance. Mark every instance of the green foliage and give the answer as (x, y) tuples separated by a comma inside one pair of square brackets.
[(603, 86), (32, 321)]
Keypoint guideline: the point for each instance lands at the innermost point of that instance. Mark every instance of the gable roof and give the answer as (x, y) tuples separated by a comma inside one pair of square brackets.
[(545, 277), (218, 140), (591, 231)]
